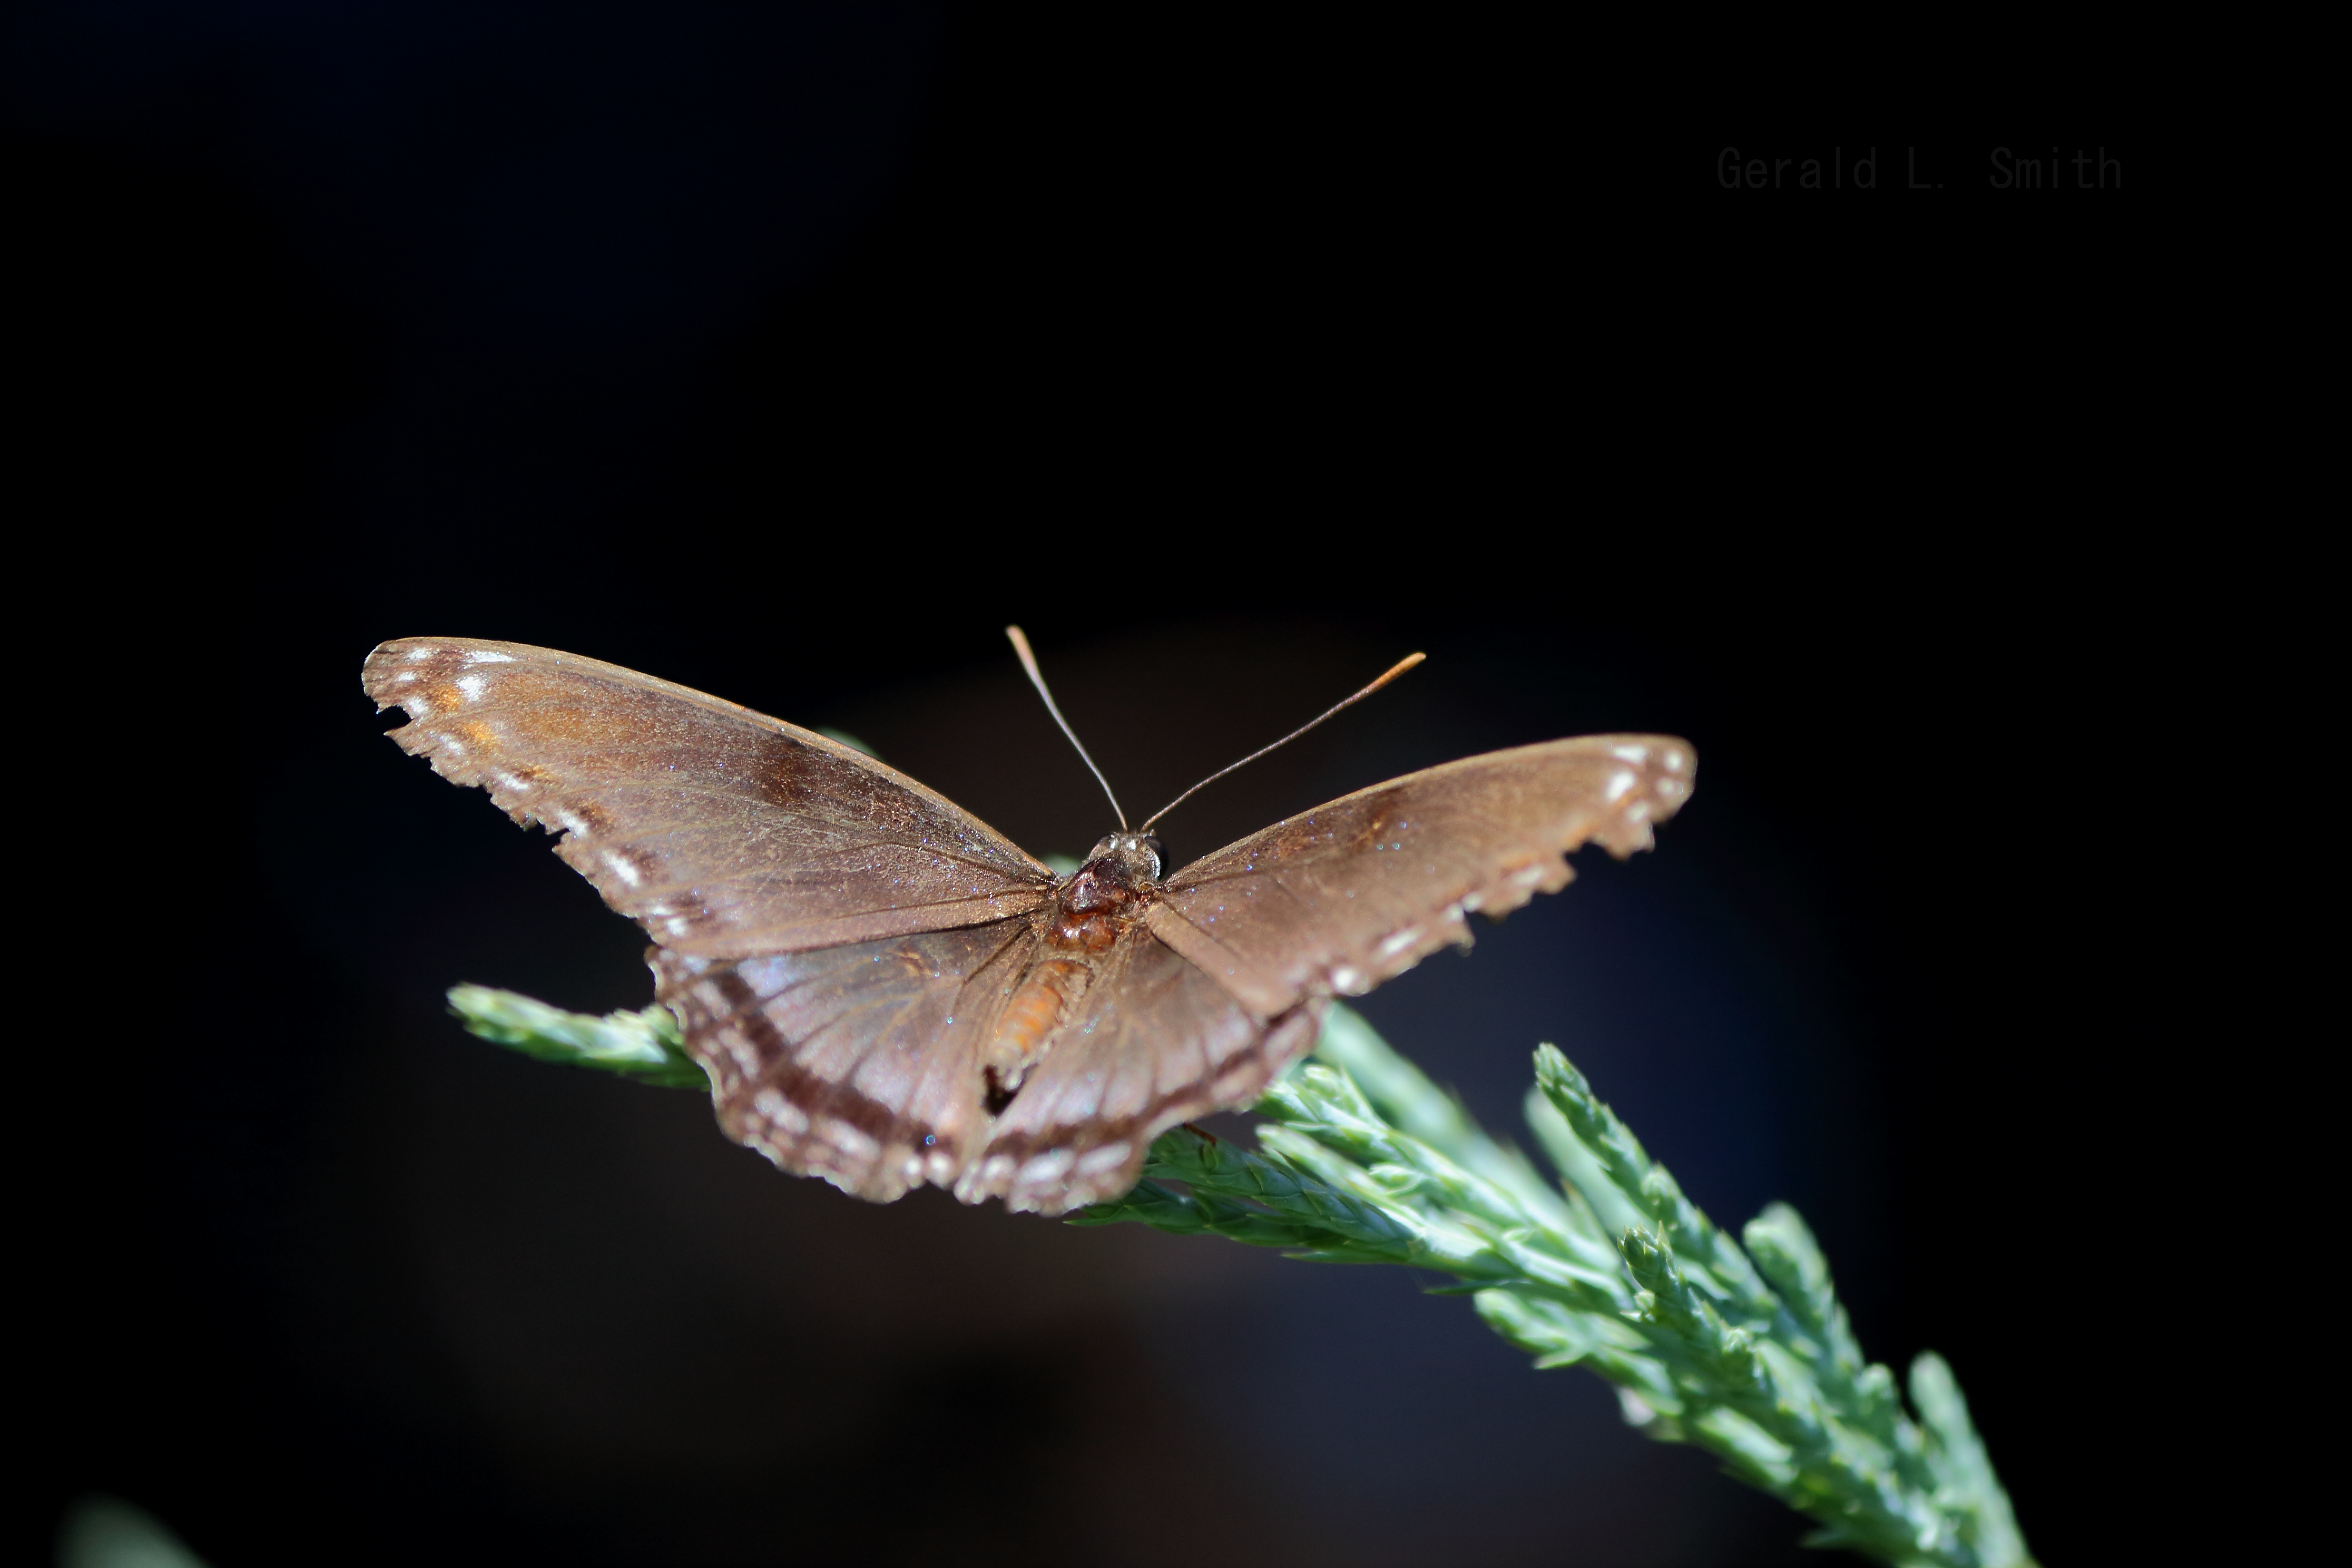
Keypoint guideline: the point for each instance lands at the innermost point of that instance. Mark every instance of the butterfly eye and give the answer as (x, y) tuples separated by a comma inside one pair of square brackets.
[(1151, 842)]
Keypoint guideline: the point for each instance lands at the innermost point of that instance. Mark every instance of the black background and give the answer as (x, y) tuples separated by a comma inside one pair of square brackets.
[(790, 354)]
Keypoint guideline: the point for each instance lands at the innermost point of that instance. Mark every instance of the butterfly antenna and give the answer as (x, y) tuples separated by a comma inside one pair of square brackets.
[(1029, 662), (1398, 669)]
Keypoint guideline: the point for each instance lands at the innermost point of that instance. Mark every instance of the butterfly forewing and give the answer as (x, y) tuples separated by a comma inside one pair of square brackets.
[(724, 833), (1339, 899)]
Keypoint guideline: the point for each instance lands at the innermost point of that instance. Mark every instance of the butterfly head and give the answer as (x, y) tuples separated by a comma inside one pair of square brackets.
[(1136, 854)]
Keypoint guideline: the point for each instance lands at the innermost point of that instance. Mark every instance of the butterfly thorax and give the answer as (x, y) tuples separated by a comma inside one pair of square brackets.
[(1102, 897)]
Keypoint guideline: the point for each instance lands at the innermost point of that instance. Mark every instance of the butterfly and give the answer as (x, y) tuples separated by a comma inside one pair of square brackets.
[(887, 992)]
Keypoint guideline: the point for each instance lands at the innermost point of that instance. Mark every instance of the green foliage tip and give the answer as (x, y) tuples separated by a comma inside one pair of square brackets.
[(645, 1046), (1736, 1345)]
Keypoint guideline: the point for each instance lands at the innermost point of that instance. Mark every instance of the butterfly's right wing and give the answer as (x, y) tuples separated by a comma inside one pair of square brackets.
[(1154, 1042), (1337, 900), (724, 833)]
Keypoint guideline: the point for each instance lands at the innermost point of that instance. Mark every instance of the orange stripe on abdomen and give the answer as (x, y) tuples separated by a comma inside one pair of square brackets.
[(1029, 1016)]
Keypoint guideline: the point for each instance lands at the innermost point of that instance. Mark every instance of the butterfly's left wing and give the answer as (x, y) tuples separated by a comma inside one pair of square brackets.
[(834, 938), (722, 832), (1337, 900), (860, 1063)]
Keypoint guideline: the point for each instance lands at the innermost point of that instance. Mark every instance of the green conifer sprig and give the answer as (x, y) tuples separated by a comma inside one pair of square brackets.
[(1738, 1346), (645, 1046)]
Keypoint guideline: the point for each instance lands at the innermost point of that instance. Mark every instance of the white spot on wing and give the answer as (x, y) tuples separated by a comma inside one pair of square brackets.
[(483, 656), (1634, 755), (779, 1111), (1109, 1157), (846, 1139), (1397, 941), (746, 1057), (621, 869), (471, 685), (1618, 783), (1349, 981), (1050, 1166)]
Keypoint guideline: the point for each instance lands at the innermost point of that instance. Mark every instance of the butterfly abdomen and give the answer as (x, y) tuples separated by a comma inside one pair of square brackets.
[(1036, 1007), (1093, 910), (1028, 1020)]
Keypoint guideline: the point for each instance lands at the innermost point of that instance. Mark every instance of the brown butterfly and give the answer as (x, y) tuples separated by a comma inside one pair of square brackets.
[(885, 991)]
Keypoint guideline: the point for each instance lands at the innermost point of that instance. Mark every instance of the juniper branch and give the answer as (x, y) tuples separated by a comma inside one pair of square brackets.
[(1743, 1351), (643, 1046)]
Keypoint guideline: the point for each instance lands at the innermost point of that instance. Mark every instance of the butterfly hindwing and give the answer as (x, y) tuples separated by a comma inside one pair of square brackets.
[(1154, 1042), (1337, 900), (724, 833), (858, 1063)]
